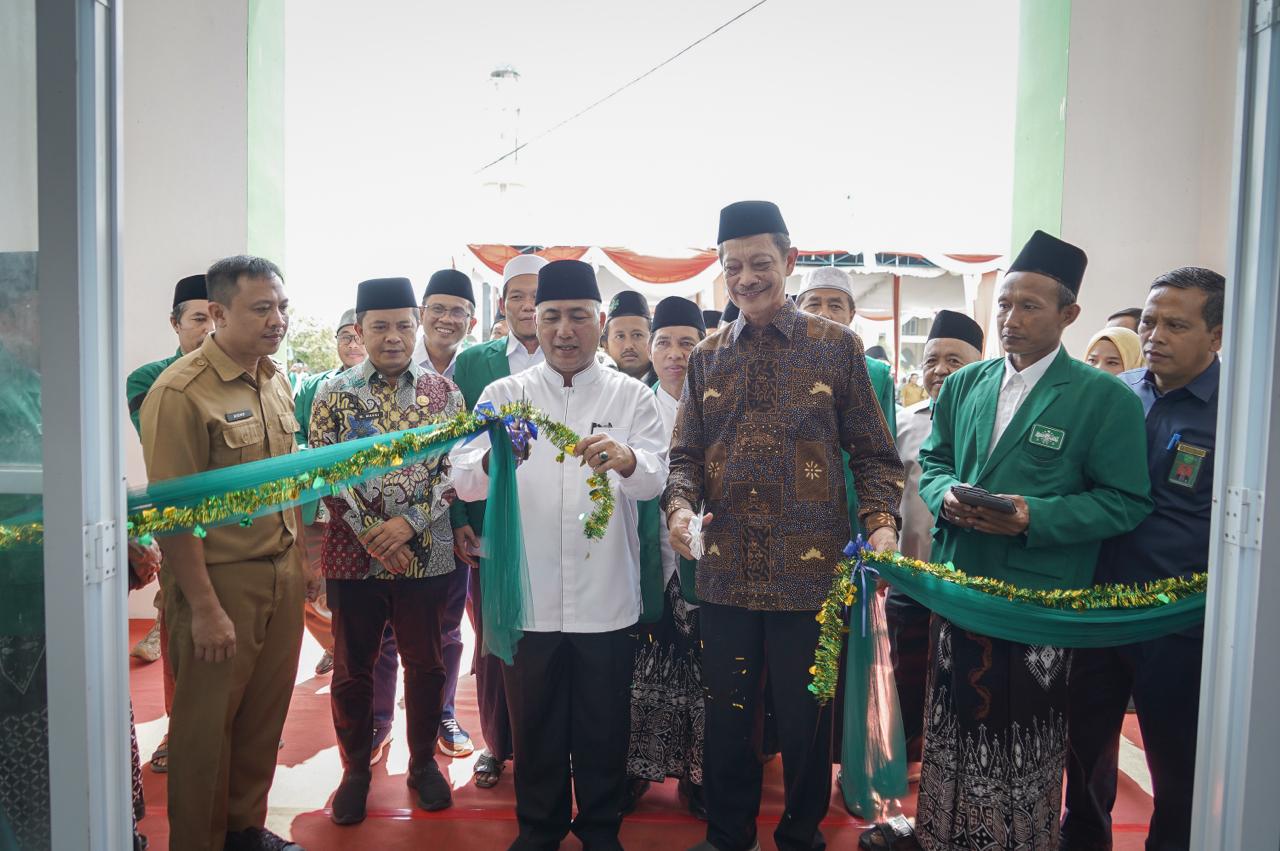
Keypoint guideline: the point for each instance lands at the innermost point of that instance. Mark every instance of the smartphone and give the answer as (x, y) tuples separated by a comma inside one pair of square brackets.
[(981, 498)]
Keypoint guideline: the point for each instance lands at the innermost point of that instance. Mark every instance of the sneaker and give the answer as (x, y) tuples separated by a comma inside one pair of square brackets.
[(258, 839), (349, 800), (454, 741), (325, 665), (381, 743), (433, 790), (148, 649)]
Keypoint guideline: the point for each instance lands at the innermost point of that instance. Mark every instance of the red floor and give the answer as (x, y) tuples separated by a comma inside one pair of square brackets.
[(479, 819)]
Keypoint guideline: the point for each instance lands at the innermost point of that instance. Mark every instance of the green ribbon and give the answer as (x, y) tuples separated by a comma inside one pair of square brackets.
[(1028, 622)]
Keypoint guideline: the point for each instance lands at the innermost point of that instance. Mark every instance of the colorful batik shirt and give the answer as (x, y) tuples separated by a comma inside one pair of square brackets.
[(764, 415), (361, 403)]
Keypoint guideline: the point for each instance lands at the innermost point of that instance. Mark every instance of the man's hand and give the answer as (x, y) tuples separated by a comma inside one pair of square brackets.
[(314, 580), (884, 540), (387, 536), (398, 561), (602, 453), (678, 530), (956, 512), (997, 523), (145, 561), (213, 634), (466, 545)]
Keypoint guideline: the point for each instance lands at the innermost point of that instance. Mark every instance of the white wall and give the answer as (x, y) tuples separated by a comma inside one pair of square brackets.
[(18, 126), (185, 171), (1149, 114), (185, 162)]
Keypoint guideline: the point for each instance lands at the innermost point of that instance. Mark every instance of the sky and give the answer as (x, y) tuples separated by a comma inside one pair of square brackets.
[(874, 125)]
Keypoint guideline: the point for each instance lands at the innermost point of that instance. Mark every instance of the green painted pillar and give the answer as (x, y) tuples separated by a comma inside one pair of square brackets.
[(1040, 123)]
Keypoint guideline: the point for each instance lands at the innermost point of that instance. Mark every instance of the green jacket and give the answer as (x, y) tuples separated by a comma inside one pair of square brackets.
[(476, 369), (1076, 451), (882, 384), (304, 398), (138, 385)]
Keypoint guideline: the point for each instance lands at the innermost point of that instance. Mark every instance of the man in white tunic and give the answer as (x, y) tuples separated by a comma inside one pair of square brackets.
[(568, 688)]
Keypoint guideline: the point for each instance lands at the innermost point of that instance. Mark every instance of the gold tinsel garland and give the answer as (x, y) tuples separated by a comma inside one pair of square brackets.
[(826, 665), (243, 504)]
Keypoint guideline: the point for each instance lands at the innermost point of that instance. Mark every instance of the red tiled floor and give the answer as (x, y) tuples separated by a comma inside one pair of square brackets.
[(479, 820)]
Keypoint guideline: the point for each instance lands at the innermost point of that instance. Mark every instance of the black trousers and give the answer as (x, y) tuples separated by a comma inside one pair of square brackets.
[(737, 645), (491, 695), (361, 610), (908, 623), (1163, 676), (570, 698)]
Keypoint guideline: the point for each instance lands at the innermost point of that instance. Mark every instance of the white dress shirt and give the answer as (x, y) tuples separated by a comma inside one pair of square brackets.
[(423, 359), (667, 407), (576, 584), (1014, 391), (914, 425), (519, 358)]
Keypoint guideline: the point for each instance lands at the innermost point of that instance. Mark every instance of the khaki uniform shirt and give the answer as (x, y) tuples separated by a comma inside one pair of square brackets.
[(206, 412)]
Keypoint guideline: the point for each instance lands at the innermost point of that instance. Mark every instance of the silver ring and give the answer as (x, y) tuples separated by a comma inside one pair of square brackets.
[(604, 456)]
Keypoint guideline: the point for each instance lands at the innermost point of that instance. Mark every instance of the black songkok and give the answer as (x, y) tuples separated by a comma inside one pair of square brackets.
[(674, 310), (711, 318), (450, 282), (956, 326), (878, 353), (1048, 255), (731, 312), (628, 303), (748, 218), (190, 287), (567, 280), (384, 294)]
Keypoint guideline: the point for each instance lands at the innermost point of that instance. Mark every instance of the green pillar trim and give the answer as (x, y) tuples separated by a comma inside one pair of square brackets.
[(266, 129), (1040, 125)]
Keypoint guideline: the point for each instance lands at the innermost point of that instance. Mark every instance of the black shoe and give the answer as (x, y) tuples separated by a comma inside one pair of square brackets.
[(258, 839), (631, 798), (349, 800), (433, 790), (691, 795)]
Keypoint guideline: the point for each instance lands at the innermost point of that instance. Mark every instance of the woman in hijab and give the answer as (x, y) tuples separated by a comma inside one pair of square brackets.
[(1114, 350)]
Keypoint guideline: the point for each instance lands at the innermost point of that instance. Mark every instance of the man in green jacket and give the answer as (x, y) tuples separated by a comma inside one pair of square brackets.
[(1066, 446), (475, 369), (190, 320)]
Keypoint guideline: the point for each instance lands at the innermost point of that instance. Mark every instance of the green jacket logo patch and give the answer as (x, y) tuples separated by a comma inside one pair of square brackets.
[(1048, 437)]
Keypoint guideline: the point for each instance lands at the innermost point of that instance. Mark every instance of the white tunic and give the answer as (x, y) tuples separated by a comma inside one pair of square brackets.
[(576, 584)]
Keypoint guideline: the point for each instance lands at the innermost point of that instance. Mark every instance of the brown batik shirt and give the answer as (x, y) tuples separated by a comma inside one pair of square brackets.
[(762, 420)]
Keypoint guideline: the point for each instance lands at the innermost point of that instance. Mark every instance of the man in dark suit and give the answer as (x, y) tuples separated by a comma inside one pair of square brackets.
[(476, 368)]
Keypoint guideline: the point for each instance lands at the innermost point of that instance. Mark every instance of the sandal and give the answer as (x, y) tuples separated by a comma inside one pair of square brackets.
[(488, 770), (160, 758), (896, 834)]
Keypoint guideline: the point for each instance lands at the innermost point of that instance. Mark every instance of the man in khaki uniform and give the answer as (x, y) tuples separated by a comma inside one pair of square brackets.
[(235, 610)]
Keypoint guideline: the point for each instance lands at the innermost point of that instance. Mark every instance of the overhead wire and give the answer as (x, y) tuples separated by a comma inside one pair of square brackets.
[(544, 134)]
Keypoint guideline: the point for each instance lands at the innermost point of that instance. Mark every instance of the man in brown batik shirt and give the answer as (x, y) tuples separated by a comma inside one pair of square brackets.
[(769, 402)]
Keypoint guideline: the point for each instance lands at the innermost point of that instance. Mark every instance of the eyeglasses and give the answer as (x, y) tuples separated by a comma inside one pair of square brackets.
[(439, 311), (347, 339)]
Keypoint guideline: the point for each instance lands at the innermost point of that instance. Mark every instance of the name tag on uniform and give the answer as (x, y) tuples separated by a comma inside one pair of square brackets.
[(1047, 436), (1187, 460), (237, 416)]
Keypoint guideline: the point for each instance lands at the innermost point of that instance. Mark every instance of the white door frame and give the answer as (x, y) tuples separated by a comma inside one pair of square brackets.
[(78, 137), (1238, 758)]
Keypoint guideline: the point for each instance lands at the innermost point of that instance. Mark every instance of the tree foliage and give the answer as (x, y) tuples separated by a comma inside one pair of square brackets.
[(311, 343)]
